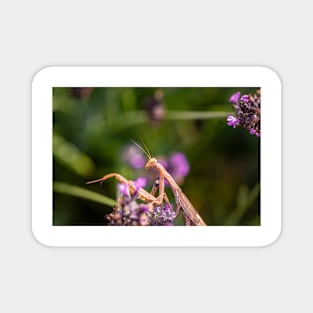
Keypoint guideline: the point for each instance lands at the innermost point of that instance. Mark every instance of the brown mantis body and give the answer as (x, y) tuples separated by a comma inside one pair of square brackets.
[(190, 215)]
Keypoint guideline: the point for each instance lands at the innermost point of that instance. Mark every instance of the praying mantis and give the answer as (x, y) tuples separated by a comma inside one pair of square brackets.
[(190, 215)]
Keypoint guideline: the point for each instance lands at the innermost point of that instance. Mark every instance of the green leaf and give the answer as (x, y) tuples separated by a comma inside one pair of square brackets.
[(70, 156), (82, 193), (244, 200)]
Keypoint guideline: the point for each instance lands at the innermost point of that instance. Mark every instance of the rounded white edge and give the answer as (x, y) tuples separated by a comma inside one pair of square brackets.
[(273, 238), (42, 74), (272, 74), (46, 234), (38, 239)]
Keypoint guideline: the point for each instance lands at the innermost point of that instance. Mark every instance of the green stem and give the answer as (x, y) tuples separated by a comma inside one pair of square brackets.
[(190, 115), (82, 193), (138, 117)]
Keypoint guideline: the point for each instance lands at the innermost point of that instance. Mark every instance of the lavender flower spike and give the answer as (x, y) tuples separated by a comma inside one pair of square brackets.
[(234, 98), (128, 212), (247, 112), (244, 98), (252, 131), (123, 190), (232, 121)]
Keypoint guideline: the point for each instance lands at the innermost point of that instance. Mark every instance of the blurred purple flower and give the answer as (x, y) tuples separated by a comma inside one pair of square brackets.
[(134, 157), (137, 161), (82, 93), (140, 182), (178, 165), (155, 108), (234, 98)]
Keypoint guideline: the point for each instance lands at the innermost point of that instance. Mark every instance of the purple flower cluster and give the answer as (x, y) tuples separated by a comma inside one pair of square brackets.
[(130, 213), (163, 216), (232, 121), (247, 112)]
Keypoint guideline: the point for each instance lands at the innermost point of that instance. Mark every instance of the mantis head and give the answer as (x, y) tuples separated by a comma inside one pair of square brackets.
[(152, 162)]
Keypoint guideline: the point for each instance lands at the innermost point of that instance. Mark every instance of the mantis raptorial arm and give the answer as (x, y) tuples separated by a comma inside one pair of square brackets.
[(164, 196), (142, 194)]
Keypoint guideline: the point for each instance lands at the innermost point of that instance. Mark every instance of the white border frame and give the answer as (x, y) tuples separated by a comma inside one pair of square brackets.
[(50, 235)]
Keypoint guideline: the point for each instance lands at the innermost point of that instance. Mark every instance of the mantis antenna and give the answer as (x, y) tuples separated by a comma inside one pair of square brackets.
[(146, 148), (145, 151)]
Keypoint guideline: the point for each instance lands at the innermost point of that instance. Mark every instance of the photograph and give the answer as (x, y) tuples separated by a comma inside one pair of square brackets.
[(156, 156)]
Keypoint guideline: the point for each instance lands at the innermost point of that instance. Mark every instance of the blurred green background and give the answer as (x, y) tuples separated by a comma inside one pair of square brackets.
[(92, 127)]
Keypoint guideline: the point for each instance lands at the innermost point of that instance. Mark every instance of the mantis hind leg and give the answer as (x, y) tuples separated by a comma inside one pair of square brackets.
[(118, 177), (142, 194)]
